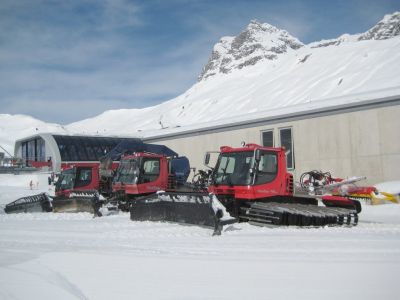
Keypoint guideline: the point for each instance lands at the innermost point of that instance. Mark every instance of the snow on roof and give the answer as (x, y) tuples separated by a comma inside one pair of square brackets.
[(312, 106)]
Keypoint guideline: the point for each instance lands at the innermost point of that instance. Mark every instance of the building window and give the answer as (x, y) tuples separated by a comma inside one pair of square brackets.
[(267, 138), (34, 150), (285, 135), (24, 151), (41, 150)]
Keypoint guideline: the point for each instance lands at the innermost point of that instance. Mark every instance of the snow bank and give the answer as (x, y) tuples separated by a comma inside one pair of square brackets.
[(23, 180), (73, 256), (392, 187), (13, 187)]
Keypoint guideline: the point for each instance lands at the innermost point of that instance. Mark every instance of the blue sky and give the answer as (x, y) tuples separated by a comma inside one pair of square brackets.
[(63, 61)]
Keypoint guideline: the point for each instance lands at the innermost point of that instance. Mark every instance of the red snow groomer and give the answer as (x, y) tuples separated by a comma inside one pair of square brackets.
[(130, 170), (252, 184), (147, 172)]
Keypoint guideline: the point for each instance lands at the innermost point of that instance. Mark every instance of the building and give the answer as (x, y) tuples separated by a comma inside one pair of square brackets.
[(347, 138), (55, 151)]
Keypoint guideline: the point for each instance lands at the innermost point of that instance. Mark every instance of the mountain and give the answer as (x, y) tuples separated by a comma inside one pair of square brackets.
[(387, 28), (14, 127), (262, 71), (256, 43)]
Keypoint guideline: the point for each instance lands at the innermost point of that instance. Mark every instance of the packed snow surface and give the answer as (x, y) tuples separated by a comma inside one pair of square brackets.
[(392, 187), (76, 256)]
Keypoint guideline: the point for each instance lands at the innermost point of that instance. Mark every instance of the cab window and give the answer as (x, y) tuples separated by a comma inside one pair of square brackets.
[(267, 168), (83, 177), (150, 170)]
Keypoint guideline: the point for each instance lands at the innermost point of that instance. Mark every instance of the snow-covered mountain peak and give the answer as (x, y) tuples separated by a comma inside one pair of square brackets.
[(256, 27), (259, 41), (344, 38), (387, 28)]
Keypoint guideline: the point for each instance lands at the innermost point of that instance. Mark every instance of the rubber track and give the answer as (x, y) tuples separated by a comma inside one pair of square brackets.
[(298, 215)]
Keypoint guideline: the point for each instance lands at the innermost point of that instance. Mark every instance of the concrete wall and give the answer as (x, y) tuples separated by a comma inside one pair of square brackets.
[(360, 143)]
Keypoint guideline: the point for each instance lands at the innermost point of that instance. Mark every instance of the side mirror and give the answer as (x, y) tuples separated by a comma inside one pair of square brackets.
[(207, 158), (257, 155)]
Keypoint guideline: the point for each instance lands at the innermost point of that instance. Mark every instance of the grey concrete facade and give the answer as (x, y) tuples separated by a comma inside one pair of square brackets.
[(362, 141)]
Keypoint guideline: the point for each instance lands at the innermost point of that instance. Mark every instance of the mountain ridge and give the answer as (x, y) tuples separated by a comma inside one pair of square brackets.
[(257, 42), (272, 42)]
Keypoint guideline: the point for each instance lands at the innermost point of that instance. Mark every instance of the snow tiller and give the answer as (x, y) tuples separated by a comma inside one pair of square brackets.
[(35, 203)]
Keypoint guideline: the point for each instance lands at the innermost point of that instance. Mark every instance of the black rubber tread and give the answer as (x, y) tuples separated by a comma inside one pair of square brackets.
[(289, 214)]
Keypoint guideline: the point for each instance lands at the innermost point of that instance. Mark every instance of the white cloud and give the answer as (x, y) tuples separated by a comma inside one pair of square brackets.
[(120, 13)]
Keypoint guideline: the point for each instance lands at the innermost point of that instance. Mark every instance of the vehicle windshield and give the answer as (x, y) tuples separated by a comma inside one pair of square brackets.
[(234, 168), (127, 172), (66, 180)]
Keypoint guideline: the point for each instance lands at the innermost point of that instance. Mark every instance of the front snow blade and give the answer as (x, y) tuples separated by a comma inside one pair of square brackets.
[(78, 201), (190, 208), (36, 203)]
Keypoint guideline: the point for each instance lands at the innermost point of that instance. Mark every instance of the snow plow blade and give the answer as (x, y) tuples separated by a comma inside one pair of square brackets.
[(78, 201), (200, 209), (36, 203)]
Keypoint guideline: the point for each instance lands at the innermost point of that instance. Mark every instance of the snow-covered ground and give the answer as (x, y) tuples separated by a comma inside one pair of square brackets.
[(75, 256)]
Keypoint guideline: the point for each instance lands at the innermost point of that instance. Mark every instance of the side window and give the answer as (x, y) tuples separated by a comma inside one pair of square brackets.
[(267, 138), (83, 177), (286, 139), (227, 164), (225, 168), (267, 168), (151, 170), (268, 163)]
